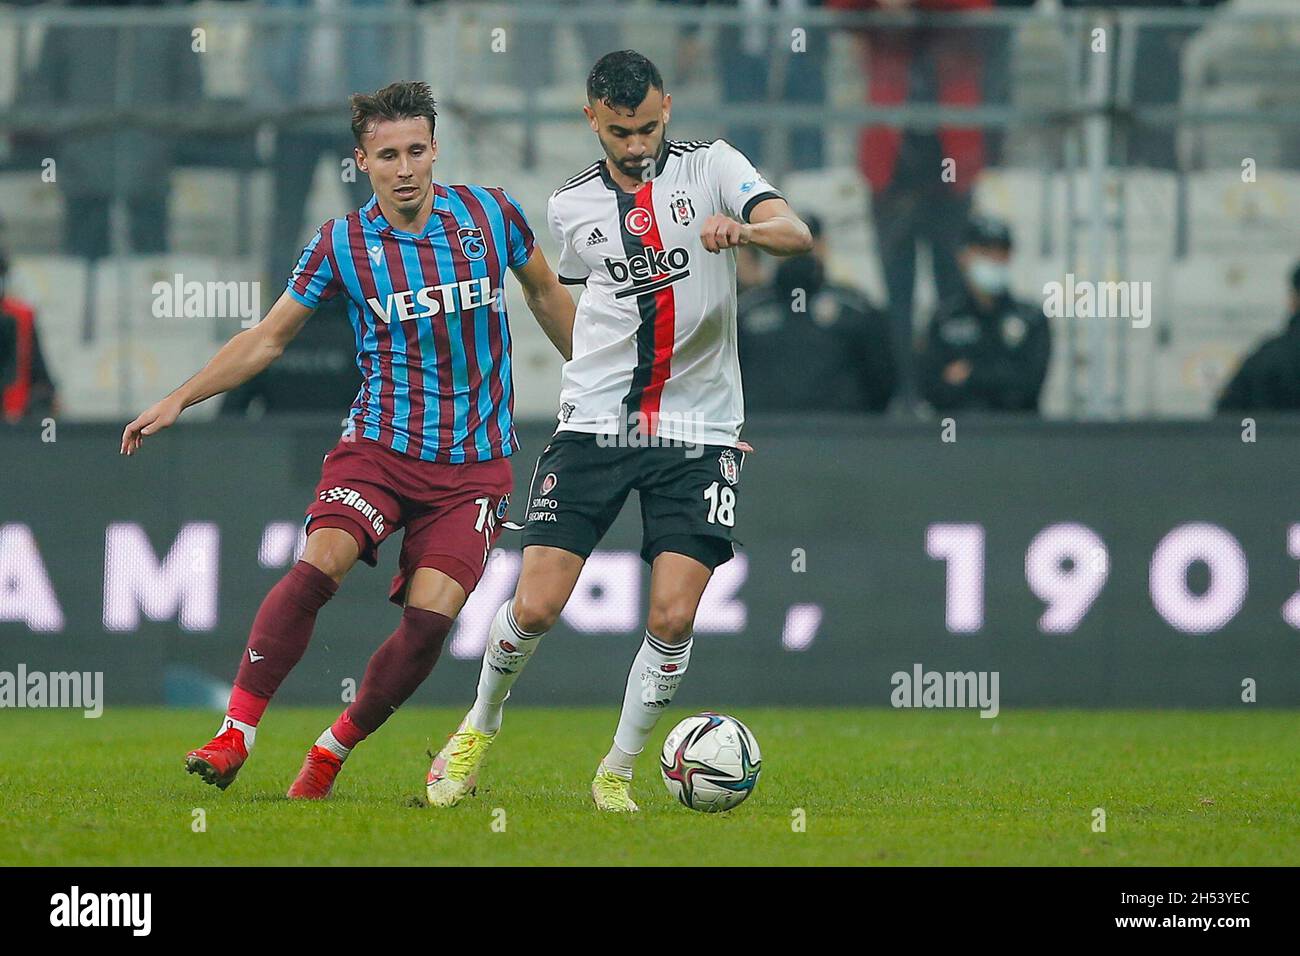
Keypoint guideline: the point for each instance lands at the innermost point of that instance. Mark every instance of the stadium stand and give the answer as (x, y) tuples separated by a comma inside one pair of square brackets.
[(1210, 244)]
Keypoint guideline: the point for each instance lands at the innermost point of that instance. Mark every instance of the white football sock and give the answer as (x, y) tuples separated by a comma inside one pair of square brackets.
[(331, 743), (656, 673), (508, 650), (248, 730), (619, 762)]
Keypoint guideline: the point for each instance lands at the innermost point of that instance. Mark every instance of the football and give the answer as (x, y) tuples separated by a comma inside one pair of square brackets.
[(710, 762)]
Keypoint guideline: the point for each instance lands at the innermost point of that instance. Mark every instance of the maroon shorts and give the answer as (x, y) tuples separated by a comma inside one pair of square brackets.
[(451, 512)]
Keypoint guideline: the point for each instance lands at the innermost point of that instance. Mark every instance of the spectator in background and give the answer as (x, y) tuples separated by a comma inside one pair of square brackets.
[(807, 344), (25, 384), (1158, 76), (1269, 379), (316, 62), (920, 179), (532, 47), (999, 48), (745, 58), (985, 350), (107, 67)]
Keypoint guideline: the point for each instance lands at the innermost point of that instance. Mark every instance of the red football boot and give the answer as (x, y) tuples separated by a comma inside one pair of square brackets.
[(219, 759), (316, 778)]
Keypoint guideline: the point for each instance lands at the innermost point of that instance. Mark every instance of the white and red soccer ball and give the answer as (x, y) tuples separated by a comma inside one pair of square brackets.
[(710, 762)]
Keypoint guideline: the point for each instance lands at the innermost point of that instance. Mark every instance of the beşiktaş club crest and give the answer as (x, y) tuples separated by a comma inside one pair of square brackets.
[(549, 483), (681, 208), (729, 466), (471, 243)]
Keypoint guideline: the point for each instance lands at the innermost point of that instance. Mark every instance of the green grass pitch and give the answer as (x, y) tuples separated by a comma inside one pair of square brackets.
[(874, 786)]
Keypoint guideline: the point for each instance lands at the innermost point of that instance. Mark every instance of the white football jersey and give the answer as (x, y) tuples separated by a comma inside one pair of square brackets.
[(654, 340)]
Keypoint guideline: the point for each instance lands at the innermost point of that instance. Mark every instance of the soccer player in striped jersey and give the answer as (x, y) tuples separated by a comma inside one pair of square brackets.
[(650, 401), (428, 440)]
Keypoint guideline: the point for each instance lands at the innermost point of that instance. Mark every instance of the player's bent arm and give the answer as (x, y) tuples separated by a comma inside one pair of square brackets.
[(248, 353), (774, 228), (244, 356), (548, 300)]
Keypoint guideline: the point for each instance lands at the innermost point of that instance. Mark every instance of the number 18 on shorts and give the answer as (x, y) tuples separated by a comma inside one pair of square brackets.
[(688, 496)]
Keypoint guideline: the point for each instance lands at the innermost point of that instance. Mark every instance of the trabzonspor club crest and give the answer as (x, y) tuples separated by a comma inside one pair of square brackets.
[(729, 465), (472, 243)]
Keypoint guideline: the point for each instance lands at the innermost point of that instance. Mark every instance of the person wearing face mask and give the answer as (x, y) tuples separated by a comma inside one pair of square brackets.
[(984, 349), (808, 344)]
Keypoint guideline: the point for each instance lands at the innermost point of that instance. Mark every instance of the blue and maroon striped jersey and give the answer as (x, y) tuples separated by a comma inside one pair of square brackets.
[(429, 315)]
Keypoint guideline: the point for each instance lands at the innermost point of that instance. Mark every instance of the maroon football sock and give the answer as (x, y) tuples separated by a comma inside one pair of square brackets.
[(346, 732), (399, 666), (280, 634)]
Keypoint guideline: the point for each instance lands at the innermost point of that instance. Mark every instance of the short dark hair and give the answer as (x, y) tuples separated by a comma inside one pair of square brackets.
[(396, 101), (622, 78)]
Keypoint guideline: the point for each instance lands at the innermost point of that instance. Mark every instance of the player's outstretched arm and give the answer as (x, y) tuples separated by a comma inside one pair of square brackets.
[(773, 227), (243, 357), (548, 300)]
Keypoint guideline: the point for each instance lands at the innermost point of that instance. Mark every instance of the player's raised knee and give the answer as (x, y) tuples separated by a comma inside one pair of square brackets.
[(671, 623), (331, 550), (536, 613)]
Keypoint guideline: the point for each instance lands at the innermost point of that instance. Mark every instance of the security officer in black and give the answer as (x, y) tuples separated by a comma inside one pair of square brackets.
[(1269, 378), (809, 344), (985, 350)]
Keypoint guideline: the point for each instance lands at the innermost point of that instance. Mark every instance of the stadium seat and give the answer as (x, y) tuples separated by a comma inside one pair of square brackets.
[(90, 376), (203, 212), (125, 291), (1226, 215), (1243, 66), (36, 207), (57, 287)]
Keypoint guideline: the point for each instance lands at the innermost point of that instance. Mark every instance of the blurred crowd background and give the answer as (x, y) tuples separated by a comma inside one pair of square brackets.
[(953, 156)]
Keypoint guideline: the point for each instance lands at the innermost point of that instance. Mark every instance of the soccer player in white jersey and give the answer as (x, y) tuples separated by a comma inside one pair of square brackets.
[(650, 401)]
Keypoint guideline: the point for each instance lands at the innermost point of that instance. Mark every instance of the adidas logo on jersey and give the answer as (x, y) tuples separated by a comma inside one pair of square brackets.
[(596, 237)]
